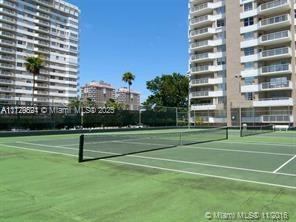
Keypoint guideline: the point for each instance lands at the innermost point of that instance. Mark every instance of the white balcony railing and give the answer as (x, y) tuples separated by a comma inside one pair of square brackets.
[(197, 94), (273, 4), (274, 52), (199, 7), (274, 85), (199, 81), (275, 68), (200, 68), (274, 101), (274, 20), (276, 118), (275, 36), (202, 81), (199, 44), (199, 19), (204, 107)]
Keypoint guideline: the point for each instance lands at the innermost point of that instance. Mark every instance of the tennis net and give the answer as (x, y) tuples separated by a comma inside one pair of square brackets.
[(102, 146), (255, 130)]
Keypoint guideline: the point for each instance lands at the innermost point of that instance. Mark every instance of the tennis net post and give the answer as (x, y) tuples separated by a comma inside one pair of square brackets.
[(81, 144)]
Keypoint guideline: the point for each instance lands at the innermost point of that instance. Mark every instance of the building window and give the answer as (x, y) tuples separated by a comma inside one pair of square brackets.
[(249, 81), (220, 23), (249, 21), (249, 65), (248, 6), (249, 96), (220, 10), (249, 35), (249, 51), (221, 48), (221, 61), (221, 35)]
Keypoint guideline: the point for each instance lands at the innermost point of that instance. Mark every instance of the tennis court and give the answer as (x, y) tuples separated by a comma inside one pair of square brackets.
[(269, 159)]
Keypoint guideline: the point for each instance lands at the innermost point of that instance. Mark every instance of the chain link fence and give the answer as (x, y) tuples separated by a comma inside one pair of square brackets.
[(14, 117)]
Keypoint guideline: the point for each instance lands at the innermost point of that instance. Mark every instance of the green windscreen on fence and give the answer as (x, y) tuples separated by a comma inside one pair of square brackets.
[(100, 146), (255, 130)]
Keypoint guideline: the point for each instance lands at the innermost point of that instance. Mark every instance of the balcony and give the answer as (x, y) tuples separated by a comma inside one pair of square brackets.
[(6, 66), (42, 78), (275, 38), (5, 89), (44, 9), (7, 3), (206, 69), (274, 101), (268, 70), (202, 57), (276, 6), (3, 97), (206, 81), (203, 107), (7, 42), (7, 19), (7, 11), (7, 34), (5, 73), (205, 8), (204, 32), (277, 118), (275, 22), (7, 27), (6, 81), (206, 94), (7, 58), (276, 69), (267, 86), (282, 85), (277, 53), (204, 20), (42, 93), (41, 29), (43, 15), (206, 44)]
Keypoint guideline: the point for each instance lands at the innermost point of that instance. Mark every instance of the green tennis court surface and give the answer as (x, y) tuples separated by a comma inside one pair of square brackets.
[(41, 180)]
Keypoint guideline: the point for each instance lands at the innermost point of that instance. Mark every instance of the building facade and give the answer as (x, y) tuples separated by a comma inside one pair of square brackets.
[(98, 92), (49, 28), (131, 100), (242, 59)]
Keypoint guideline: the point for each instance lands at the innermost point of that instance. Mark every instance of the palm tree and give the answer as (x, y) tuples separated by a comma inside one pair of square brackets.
[(33, 65), (128, 78)]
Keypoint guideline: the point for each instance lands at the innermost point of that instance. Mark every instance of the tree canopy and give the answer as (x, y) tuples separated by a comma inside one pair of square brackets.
[(168, 90)]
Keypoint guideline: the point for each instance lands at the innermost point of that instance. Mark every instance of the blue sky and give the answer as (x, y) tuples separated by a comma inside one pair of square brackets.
[(146, 37)]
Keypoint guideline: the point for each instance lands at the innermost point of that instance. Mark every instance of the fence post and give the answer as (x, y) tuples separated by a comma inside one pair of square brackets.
[(81, 143), (176, 116)]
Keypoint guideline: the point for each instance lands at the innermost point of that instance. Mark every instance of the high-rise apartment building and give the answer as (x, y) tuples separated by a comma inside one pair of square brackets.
[(49, 28), (131, 99), (242, 56), (98, 92)]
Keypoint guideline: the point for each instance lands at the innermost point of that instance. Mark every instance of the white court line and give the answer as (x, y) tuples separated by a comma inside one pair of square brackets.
[(276, 171), (161, 168), (38, 150), (236, 150), (259, 143), (172, 160), (210, 165), (200, 174)]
